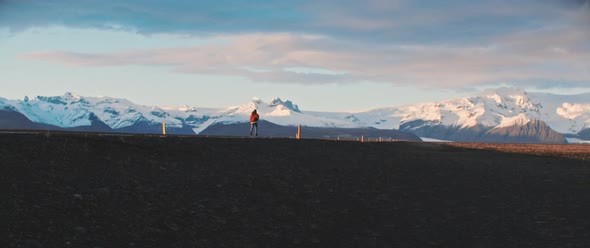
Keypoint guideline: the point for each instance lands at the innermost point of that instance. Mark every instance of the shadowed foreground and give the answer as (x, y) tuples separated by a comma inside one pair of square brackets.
[(87, 190)]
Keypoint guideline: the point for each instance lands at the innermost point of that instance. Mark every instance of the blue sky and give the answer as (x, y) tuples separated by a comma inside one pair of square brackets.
[(322, 54)]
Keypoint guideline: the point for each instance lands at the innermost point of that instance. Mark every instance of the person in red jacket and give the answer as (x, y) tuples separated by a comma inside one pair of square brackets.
[(254, 122)]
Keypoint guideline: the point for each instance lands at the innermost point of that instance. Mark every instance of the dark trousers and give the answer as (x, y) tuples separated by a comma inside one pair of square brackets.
[(254, 126)]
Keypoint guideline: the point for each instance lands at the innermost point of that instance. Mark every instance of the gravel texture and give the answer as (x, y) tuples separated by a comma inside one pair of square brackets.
[(105, 190)]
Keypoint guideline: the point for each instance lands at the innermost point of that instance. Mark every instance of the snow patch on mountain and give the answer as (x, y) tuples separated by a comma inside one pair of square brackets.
[(202, 126), (4, 104), (518, 120)]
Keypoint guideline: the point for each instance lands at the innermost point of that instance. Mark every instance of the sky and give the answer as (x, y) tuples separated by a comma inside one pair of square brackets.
[(325, 55)]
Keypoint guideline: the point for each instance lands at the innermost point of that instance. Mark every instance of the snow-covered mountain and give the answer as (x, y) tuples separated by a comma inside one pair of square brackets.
[(71, 110), (493, 108), (501, 114), (280, 112)]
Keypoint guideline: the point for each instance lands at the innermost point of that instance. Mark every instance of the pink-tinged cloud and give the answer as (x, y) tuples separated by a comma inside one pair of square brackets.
[(536, 57)]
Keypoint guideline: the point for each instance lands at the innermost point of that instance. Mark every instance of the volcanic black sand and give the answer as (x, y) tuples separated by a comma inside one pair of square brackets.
[(90, 190)]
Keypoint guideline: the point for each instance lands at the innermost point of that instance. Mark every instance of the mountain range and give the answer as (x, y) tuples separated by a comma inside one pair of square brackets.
[(498, 115)]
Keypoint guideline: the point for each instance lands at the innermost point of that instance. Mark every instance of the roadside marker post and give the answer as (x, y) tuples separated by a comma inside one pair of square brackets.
[(163, 128)]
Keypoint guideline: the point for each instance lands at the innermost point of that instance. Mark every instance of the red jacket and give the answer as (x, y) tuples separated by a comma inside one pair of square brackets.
[(254, 118)]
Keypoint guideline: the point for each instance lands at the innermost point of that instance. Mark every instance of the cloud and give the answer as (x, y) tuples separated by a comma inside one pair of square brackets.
[(431, 43), (572, 111), (383, 21), (151, 16), (538, 57)]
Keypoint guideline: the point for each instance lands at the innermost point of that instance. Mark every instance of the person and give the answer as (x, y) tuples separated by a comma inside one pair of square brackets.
[(254, 122)]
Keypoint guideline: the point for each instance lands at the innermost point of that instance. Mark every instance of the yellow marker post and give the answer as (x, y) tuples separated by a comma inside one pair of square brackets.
[(163, 128), (299, 132)]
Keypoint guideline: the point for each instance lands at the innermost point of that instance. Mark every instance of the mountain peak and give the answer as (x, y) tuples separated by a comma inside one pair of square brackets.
[(70, 95), (513, 99), (276, 99), (288, 104), (67, 98)]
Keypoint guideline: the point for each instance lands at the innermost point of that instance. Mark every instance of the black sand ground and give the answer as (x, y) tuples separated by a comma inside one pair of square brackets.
[(76, 190)]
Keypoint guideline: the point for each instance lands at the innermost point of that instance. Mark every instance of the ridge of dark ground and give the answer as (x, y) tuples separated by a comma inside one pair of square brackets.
[(93, 190)]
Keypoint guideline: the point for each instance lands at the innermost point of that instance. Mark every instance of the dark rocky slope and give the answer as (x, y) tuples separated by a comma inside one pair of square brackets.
[(10, 119), (584, 134), (535, 131), (269, 129)]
